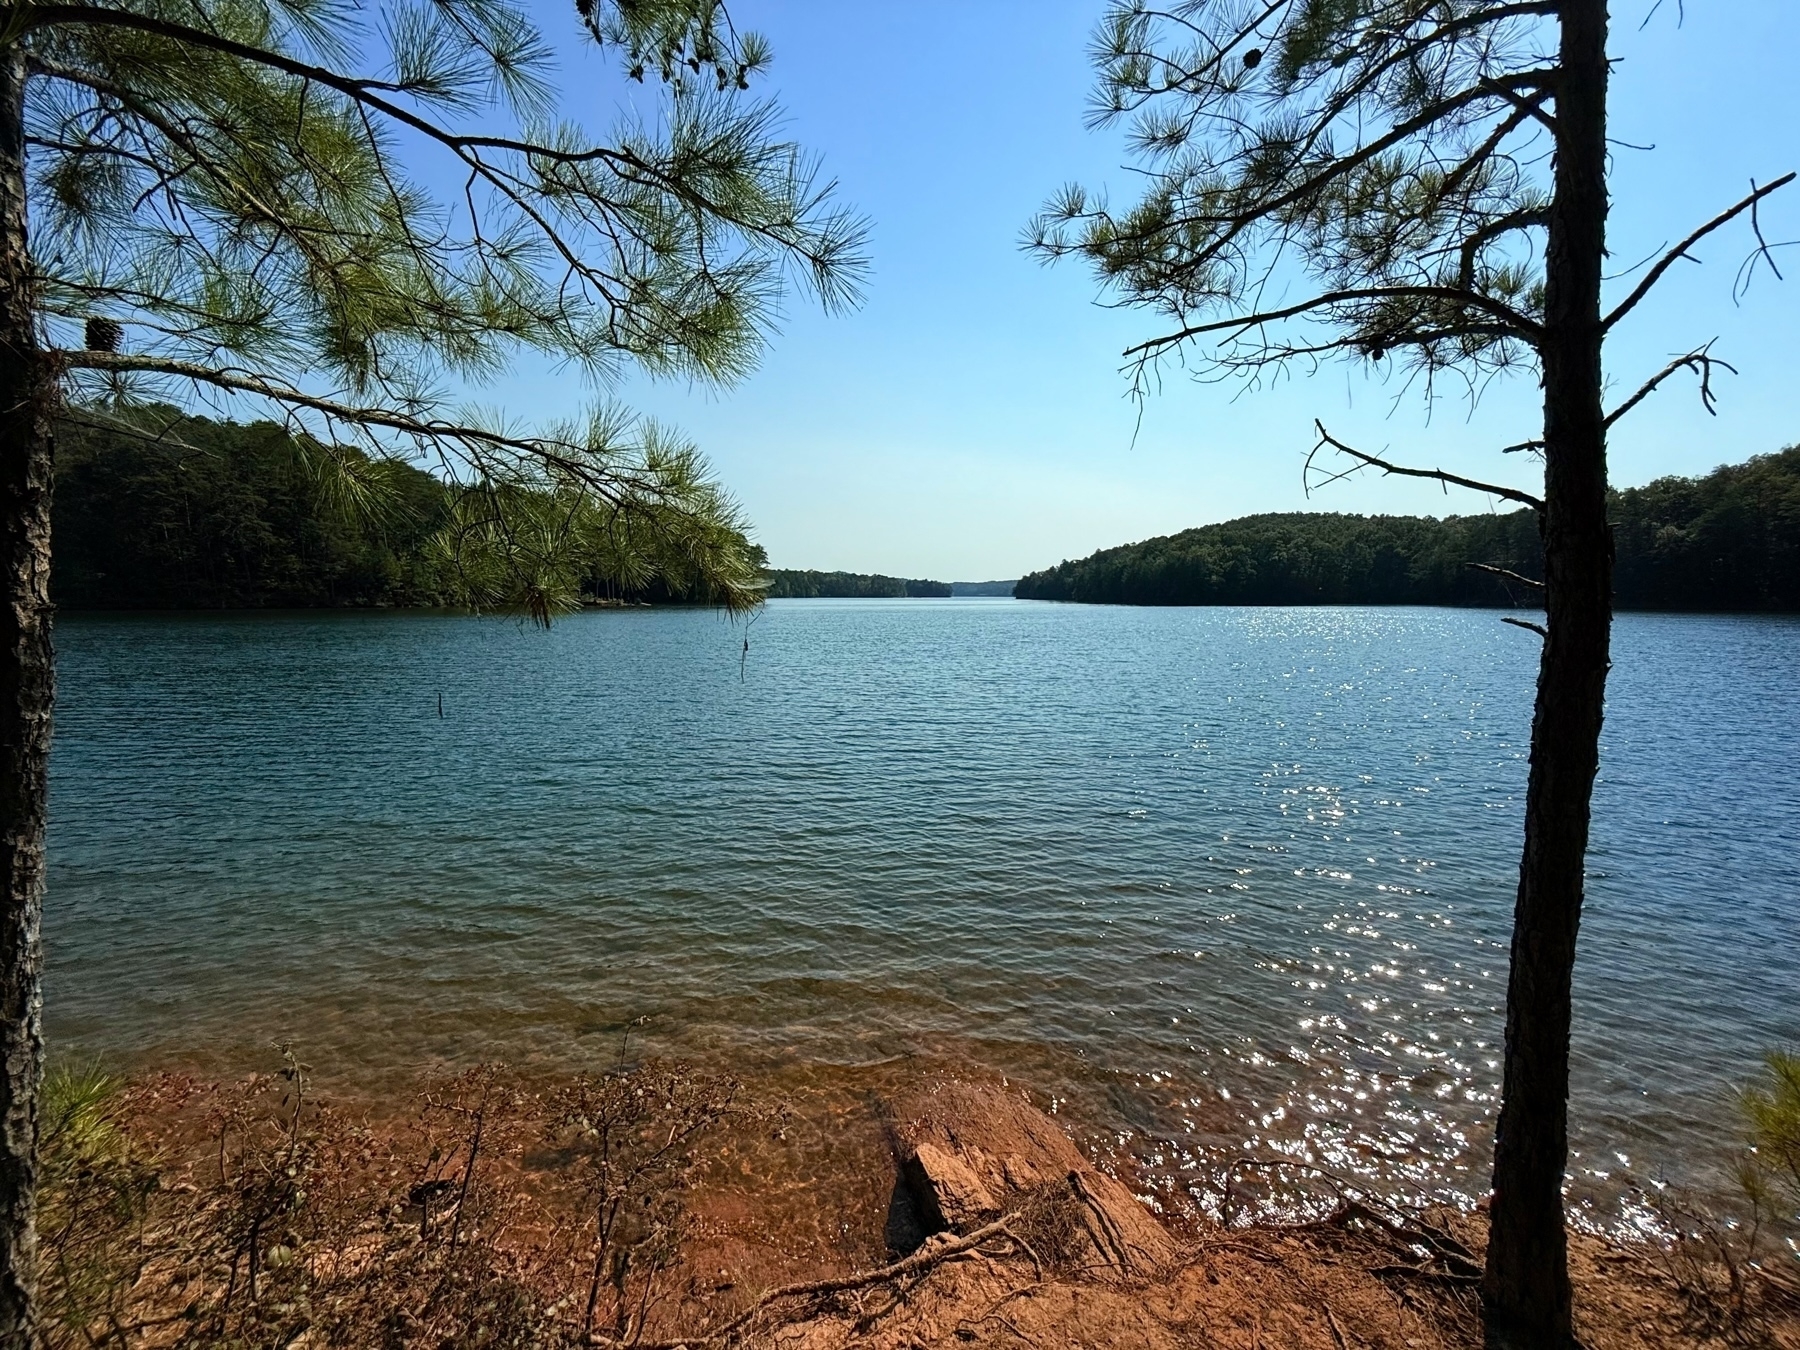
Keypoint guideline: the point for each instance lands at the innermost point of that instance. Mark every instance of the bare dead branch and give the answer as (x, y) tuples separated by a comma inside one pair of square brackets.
[(1700, 361), (1494, 229), (1537, 628), (1328, 441), (922, 1260), (1506, 572), (1680, 251)]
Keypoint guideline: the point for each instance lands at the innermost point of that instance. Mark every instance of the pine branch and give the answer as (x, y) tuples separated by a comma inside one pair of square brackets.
[(374, 94), (1328, 441), (1699, 361), (1237, 222), (611, 483), (1516, 324), (1680, 251)]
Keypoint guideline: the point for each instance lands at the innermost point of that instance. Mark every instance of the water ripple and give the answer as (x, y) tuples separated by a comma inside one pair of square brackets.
[(1216, 879)]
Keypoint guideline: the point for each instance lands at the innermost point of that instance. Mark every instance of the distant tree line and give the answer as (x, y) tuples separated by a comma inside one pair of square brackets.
[(159, 510), (788, 584), (218, 515), (166, 511), (1727, 541)]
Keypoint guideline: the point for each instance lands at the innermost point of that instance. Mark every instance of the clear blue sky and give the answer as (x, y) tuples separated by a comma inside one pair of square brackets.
[(969, 421)]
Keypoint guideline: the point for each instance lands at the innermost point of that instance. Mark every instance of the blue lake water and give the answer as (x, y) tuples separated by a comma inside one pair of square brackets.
[(1211, 877)]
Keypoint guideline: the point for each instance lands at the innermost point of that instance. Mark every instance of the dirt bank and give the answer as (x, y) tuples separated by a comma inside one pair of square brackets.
[(655, 1205)]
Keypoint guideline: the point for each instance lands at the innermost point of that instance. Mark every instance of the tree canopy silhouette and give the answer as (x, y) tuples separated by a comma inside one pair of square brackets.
[(1429, 178)]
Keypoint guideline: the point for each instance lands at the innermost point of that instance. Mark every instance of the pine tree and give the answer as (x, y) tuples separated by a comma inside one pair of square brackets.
[(1431, 176), (213, 199)]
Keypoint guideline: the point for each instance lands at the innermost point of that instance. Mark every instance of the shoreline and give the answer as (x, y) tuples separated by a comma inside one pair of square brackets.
[(1179, 1153), (591, 605), (905, 1218)]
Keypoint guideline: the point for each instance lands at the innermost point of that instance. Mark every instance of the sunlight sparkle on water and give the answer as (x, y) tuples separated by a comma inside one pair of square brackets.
[(1210, 881)]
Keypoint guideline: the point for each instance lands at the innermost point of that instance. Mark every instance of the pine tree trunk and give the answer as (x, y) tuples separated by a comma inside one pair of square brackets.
[(1526, 1289), (27, 393)]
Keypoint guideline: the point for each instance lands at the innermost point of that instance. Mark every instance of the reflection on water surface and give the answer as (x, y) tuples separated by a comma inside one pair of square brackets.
[(1206, 877)]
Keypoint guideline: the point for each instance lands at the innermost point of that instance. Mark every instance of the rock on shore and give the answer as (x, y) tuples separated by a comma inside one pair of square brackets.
[(968, 1154)]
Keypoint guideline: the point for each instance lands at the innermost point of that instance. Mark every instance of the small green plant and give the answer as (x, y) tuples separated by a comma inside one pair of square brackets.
[(75, 1115), (95, 1194), (1771, 1173), (1733, 1280)]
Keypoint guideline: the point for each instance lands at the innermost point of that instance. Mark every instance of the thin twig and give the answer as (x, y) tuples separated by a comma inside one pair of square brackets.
[(1506, 572), (1267, 1258), (1680, 250), (1700, 361), (1327, 440), (1763, 250), (1337, 1332), (1426, 1273)]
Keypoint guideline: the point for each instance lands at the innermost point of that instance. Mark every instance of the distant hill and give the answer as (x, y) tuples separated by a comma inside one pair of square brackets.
[(788, 584), (1727, 541), (160, 510), (225, 515), (982, 587)]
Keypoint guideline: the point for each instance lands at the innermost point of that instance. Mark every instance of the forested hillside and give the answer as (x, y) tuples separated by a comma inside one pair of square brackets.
[(166, 511), (218, 515), (1728, 541)]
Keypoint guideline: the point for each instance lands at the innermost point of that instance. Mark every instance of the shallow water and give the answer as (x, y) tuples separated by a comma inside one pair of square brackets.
[(1213, 878)]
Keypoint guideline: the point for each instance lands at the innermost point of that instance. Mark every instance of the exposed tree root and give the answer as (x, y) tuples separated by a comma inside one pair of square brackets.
[(934, 1253)]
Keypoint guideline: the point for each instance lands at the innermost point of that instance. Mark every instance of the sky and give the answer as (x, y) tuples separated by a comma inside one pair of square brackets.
[(970, 420)]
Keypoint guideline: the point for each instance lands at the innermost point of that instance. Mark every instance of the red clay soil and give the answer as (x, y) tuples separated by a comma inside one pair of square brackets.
[(935, 1214), (1075, 1260)]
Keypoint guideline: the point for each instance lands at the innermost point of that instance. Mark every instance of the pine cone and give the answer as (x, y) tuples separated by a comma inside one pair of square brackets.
[(103, 335)]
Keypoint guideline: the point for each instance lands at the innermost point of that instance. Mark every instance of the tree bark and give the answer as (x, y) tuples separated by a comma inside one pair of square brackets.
[(1525, 1292), (27, 397)]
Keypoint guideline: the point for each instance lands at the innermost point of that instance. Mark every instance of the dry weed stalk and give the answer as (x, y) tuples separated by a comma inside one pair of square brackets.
[(630, 1137), (1734, 1282), (1735, 1272), (497, 1219)]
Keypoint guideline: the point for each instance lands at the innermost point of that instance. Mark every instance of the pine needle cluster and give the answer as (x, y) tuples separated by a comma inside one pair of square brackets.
[(1384, 158), (355, 215)]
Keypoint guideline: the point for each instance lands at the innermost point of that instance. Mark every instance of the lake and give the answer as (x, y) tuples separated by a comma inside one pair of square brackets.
[(1204, 878)]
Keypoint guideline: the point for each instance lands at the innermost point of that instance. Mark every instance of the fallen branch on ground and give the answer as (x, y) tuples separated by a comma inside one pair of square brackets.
[(927, 1257)]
